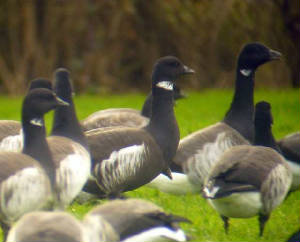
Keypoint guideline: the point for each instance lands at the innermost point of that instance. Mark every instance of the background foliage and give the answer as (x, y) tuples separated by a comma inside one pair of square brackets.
[(111, 45)]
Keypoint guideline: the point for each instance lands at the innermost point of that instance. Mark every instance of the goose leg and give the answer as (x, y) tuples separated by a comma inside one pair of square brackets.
[(5, 229), (226, 223), (262, 218)]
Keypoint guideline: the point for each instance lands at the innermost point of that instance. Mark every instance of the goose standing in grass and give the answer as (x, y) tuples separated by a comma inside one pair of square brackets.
[(11, 137), (68, 145), (137, 220), (48, 227), (126, 158), (250, 180), (124, 116), (199, 151), (290, 149), (26, 178)]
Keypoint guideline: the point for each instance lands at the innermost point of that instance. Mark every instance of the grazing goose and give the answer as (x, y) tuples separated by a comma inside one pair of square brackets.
[(68, 145), (250, 180), (198, 151), (126, 158), (48, 227), (24, 177), (137, 220), (290, 148), (11, 137), (124, 116)]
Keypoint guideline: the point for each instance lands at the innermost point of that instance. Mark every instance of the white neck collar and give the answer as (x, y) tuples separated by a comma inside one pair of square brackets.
[(245, 72), (165, 85), (37, 122)]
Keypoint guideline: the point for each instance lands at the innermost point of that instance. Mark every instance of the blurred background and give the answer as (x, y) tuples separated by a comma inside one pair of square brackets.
[(110, 46)]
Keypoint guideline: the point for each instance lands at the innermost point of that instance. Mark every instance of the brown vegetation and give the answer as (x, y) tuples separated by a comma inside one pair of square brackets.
[(111, 45)]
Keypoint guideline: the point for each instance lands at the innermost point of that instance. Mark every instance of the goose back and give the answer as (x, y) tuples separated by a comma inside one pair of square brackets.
[(124, 116), (115, 117), (198, 152), (133, 216), (47, 227)]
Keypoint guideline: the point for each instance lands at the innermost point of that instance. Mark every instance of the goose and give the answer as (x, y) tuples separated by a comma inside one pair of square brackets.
[(125, 158), (198, 151), (250, 180), (290, 148), (11, 137), (285, 147), (68, 145), (42, 226), (26, 178), (124, 116), (137, 220)]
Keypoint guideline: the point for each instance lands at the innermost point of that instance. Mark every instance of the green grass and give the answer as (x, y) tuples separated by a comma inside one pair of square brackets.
[(197, 111)]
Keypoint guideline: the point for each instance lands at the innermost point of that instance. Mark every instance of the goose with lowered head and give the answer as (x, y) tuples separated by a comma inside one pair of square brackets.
[(250, 180), (136, 220)]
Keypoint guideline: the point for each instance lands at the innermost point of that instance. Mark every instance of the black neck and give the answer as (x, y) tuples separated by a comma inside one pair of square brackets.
[(66, 122), (241, 113), (264, 136), (36, 146), (163, 126), (146, 110)]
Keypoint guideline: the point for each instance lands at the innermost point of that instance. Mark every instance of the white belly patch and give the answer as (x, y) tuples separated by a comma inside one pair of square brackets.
[(238, 205)]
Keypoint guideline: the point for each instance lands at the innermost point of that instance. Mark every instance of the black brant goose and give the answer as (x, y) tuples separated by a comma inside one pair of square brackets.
[(68, 145), (11, 137), (290, 149), (126, 158), (198, 151), (48, 227), (124, 116), (137, 220), (250, 180), (25, 176), (289, 145)]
